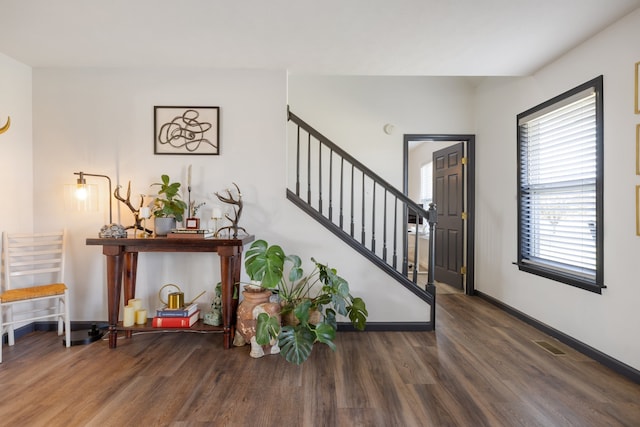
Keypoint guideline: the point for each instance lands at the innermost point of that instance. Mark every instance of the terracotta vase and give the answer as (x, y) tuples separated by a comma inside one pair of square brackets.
[(254, 302), (246, 324)]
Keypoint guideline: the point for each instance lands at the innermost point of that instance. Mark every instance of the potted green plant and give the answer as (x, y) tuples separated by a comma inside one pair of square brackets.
[(310, 302), (167, 206)]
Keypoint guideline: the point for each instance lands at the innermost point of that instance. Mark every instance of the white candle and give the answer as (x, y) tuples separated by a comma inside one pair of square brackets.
[(129, 316), (145, 212), (135, 303), (216, 213), (189, 176), (141, 317)]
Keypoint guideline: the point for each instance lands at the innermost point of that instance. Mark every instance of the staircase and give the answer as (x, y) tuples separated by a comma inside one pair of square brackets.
[(359, 207)]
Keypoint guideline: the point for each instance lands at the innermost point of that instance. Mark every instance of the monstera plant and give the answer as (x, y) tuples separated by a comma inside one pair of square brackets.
[(309, 303)]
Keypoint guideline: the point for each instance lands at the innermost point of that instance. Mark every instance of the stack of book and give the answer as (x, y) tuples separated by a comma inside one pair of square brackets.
[(190, 233), (176, 317)]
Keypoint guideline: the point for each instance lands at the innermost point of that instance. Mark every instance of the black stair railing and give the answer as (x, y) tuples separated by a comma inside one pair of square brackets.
[(361, 208)]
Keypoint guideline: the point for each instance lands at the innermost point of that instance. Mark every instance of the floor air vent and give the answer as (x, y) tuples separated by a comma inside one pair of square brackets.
[(550, 348)]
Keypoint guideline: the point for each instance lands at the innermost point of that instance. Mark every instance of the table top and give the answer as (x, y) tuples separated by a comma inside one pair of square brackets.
[(187, 244)]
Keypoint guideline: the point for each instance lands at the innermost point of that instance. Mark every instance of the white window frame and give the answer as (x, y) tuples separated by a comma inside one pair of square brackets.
[(578, 256)]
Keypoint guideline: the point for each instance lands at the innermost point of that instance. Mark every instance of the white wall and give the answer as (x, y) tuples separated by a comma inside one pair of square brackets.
[(101, 121), (352, 111), (16, 147), (607, 322)]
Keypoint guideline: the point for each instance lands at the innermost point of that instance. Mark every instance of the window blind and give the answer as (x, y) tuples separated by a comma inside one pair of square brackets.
[(558, 173)]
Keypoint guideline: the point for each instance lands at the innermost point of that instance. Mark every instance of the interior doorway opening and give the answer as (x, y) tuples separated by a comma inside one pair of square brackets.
[(420, 161)]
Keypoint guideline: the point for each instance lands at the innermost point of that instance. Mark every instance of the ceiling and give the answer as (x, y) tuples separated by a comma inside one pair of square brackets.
[(341, 37)]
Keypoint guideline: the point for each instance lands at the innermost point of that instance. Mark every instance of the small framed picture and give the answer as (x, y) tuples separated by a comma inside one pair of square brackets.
[(186, 130), (192, 223)]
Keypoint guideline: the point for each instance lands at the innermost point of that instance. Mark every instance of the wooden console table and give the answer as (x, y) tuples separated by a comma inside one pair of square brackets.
[(122, 262)]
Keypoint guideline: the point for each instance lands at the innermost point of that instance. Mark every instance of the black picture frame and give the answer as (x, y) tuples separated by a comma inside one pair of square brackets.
[(186, 130)]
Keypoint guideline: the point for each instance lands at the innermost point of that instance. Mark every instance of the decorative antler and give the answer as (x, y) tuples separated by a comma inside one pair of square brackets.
[(237, 209), (135, 211), (127, 201)]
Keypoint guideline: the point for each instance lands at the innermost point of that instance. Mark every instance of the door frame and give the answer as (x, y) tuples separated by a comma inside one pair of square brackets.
[(469, 142)]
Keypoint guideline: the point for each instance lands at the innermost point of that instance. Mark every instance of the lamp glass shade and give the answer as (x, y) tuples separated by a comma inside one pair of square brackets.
[(81, 198)]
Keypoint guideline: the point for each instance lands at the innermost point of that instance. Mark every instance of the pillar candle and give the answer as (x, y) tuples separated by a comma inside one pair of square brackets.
[(136, 303), (141, 317), (216, 212), (129, 316), (145, 212)]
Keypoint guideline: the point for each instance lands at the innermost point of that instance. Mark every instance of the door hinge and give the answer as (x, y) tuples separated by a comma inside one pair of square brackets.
[(463, 160), (464, 215), (463, 269)]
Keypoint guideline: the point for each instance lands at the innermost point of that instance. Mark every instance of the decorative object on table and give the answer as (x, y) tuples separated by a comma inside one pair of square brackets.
[(214, 317), (175, 299), (168, 208), (185, 311), (192, 221), (110, 230), (237, 211), (322, 291), (187, 233), (145, 214), (186, 130), (254, 303), (216, 215), (113, 231), (134, 313), (5, 127), (175, 322), (137, 217)]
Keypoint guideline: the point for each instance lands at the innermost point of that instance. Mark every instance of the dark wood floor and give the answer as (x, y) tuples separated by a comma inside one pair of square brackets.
[(481, 367)]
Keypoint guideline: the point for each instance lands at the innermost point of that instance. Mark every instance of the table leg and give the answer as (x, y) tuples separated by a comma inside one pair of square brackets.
[(115, 263), (130, 273), (230, 272)]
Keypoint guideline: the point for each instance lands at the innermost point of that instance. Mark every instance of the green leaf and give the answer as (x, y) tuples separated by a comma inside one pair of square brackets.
[(265, 263), (296, 343), (301, 311), (296, 271), (358, 313), (267, 328), (330, 318), (325, 334)]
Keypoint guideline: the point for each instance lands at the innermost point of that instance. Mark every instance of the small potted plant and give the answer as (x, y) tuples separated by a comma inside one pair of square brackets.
[(168, 208), (309, 304)]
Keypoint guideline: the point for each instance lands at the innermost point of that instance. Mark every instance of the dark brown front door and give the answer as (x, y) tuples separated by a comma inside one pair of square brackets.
[(448, 195)]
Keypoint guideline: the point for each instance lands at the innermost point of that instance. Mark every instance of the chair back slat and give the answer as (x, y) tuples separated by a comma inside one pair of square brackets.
[(32, 255)]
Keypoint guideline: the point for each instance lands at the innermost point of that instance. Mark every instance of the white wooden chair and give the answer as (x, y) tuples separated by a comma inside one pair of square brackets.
[(33, 270)]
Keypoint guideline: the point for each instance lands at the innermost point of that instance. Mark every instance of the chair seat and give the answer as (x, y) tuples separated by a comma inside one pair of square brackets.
[(33, 292)]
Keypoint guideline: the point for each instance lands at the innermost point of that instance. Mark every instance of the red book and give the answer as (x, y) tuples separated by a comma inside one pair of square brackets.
[(175, 322)]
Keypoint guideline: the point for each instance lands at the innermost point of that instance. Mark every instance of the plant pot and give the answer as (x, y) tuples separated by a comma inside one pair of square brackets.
[(163, 225), (246, 324), (255, 301), (290, 319)]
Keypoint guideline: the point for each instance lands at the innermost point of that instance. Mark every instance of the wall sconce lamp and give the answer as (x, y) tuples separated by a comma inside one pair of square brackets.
[(81, 189)]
